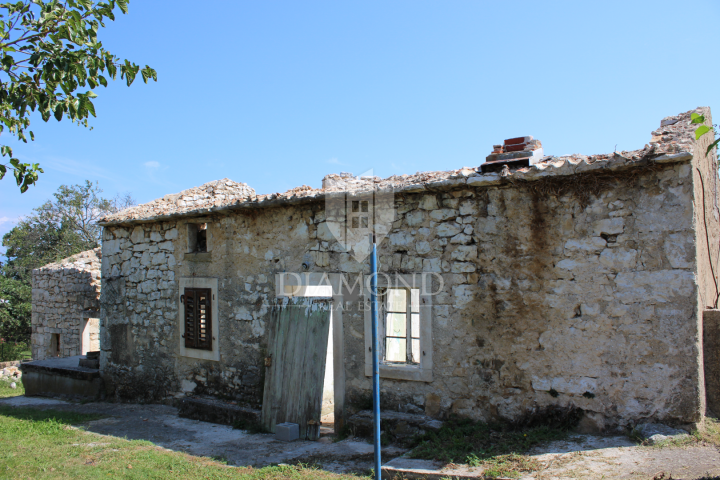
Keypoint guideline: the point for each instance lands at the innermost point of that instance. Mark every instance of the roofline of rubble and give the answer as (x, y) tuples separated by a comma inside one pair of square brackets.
[(65, 263), (538, 171)]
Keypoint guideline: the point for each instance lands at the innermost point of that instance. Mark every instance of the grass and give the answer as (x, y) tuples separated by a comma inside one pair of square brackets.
[(44, 443), (498, 448), (6, 391)]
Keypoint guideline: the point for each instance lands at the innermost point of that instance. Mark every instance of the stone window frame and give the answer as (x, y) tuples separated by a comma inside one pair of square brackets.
[(200, 282), (418, 373)]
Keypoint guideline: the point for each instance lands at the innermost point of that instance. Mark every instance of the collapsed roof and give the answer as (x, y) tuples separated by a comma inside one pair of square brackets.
[(87, 260), (674, 141)]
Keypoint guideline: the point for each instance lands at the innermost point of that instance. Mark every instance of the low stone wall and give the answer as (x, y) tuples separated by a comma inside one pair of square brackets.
[(65, 306)]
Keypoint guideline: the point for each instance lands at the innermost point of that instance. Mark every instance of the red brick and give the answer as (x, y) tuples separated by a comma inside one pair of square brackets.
[(513, 141), (515, 148)]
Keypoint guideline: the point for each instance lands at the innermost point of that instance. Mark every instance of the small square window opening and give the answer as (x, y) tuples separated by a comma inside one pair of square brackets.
[(197, 237)]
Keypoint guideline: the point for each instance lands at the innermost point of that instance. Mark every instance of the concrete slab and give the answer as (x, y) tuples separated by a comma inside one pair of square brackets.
[(61, 376), (23, 401), (161, 425), (57, 362)]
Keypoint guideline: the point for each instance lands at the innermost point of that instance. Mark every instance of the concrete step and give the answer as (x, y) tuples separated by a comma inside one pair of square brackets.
[(397, 424), (89, 363), (217, 411)]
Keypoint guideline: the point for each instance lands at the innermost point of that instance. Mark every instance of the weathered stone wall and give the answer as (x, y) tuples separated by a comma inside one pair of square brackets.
[(548, 301), (545, 300), (65, 295), (140, 304)]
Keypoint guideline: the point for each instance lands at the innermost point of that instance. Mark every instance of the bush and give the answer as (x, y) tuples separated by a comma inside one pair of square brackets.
[(11, 350)]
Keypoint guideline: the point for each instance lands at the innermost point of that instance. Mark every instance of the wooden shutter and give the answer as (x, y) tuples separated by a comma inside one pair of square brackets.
[(190, 318), (203, 325), (198, 318)]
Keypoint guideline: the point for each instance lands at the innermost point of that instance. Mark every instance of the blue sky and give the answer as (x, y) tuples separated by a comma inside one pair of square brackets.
[(278, 94)]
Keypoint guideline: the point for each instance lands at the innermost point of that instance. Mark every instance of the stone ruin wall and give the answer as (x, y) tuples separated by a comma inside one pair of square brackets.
[(66, 295), (545, 301)]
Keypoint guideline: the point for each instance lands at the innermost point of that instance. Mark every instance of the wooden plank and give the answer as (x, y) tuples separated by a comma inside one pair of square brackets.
[(298, 337)]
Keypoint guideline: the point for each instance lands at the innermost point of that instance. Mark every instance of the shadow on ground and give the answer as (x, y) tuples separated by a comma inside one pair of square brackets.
[(160, 425)]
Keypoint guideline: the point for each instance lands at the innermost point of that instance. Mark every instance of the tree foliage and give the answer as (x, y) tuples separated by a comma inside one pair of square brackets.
[(50, 62), (57, 229), (15, 304)]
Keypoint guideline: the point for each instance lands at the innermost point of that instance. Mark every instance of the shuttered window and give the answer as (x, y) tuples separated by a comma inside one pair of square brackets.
[(198, 318)]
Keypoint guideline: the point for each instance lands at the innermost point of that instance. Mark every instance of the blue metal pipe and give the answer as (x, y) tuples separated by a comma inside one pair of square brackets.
[(376, 358)]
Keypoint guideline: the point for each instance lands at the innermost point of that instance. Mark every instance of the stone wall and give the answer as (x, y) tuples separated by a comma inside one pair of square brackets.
[(140, 305), (546, 298), (65, 301), (549, 301)]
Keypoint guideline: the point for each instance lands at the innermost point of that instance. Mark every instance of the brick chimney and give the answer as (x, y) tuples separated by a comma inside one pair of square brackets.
[(515, 153)]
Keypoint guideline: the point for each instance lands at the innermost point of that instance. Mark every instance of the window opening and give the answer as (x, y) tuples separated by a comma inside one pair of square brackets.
[(402, 325), (198, 316), (54, 345), (197, 237), (90, 336)]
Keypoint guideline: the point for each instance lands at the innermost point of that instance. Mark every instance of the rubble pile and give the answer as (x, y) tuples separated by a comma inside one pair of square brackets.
[(523, 155)]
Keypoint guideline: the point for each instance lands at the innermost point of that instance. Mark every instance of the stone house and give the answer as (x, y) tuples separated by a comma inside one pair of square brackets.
[(66, 307), (561, 280)]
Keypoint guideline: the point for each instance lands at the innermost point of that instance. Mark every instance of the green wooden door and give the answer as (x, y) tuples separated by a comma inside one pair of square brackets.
[(297, 348)]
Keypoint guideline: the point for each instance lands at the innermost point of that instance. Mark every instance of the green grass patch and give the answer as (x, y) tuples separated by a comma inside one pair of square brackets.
[(498, 448), (6, 391), (51, 444)]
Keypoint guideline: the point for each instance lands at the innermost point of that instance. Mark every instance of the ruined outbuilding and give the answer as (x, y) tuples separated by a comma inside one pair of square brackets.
[(569, 280), (66, 307)]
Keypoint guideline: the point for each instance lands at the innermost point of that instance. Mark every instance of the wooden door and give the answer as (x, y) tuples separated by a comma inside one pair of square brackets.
[(295, 366)]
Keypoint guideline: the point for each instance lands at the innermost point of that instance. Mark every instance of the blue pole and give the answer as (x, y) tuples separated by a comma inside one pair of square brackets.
[(376, 359)]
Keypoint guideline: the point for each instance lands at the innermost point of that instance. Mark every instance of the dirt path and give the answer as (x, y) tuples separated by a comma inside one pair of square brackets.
[(581, 457), (586, 456)]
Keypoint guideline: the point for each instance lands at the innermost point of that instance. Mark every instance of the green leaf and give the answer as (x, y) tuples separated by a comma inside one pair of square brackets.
[(3, 171), (123, 4), (695, 118), (702, 130), (59, 110), (90, 107)]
